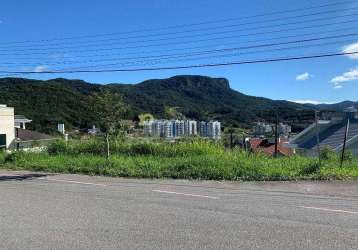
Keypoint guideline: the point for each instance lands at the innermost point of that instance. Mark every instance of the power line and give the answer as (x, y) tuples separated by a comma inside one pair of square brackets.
[(188, 25), (197, 30), (335, 31), (198, 53), (160, 61), (294, 58), (190, 35), (180, 42)]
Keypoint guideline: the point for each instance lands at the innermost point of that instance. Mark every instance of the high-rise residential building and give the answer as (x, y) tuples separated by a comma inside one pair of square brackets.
[(190, 128), (203, 132), (214, 129), (168, 129), (181, 128), (264, 129), (148, 128)]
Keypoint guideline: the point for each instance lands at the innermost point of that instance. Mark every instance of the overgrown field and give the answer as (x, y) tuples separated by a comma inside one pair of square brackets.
[(194, 159)]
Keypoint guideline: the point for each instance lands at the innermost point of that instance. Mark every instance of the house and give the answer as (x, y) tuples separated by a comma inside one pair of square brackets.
[(13, 132), (330, 134), (267, 146), (7, 125), (21, 121)]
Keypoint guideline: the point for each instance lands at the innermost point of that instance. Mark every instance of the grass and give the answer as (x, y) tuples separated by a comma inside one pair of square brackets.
[(193, 159)]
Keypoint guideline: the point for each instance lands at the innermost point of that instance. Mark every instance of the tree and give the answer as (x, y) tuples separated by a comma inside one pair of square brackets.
[(144, 118), (173, 113), (109, 111)]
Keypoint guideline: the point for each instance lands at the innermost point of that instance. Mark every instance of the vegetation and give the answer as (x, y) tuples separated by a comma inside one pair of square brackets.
[(145, 118), (68, 101), (109, 110), (188, 159)]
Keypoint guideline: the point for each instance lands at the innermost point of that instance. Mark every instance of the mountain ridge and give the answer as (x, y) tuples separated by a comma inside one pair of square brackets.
[(198, 97)]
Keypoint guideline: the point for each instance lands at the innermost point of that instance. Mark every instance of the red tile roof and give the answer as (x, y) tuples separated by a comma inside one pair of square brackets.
[(259, 145)]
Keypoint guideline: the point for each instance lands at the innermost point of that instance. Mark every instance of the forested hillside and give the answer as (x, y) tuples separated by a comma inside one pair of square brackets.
[(197, 97)]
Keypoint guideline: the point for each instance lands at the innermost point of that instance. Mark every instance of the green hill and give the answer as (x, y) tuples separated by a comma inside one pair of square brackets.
[(197, 97)]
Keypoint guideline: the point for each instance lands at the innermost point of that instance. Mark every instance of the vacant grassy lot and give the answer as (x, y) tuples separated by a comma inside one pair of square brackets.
[(195, 159)]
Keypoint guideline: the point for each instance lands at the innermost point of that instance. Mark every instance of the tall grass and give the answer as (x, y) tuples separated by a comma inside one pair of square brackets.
[(191, 159)]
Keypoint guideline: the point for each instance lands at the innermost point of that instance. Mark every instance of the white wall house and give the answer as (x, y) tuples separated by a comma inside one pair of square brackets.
[(7, 126), (21, 121)]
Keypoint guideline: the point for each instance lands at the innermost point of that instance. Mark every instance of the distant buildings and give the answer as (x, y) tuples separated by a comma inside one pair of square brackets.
[(172, 129), (93, 130), (61, 128), (262, 129), (213, 130)]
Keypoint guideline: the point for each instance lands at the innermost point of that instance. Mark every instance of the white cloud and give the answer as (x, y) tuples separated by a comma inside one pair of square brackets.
[(303, 77), (309, 102), (351, 48), (338, 87), (348, 76), (40, 68)]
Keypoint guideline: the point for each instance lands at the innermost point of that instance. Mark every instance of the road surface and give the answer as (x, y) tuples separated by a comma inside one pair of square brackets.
[(40, 211)]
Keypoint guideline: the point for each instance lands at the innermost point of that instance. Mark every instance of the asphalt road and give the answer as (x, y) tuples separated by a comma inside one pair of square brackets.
[(81, 212)]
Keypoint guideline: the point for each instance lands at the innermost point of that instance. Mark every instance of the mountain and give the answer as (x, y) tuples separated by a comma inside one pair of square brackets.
[(337, 106), (197, 97)]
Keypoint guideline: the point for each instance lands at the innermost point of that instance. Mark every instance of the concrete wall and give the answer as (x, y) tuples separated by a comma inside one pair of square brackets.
[(7, 124)]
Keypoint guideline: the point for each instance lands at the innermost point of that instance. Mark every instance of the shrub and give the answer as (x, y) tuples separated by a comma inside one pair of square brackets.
[(57, 147), (328, 154), (310, 169)]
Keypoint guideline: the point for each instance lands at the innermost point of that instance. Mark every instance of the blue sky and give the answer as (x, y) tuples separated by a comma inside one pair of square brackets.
[(319, 80)]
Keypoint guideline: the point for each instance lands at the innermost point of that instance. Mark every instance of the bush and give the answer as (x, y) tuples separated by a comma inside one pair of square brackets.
[(57, 147), (328, 154), (310, 169)]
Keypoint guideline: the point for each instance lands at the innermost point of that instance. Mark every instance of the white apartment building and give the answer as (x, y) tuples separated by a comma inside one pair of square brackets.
[(264, 129), (214, 130), (190, 128), (202, 129), (261, 129), (7, 126), (179, 128), (148, 128), (182, 128), (168, 129)]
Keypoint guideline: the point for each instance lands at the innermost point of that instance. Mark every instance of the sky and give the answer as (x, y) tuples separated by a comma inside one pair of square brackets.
[(46, 35)]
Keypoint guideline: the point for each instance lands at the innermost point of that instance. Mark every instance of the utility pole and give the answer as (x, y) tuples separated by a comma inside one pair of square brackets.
[(317, 138), (276, 136), (344, 142)]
